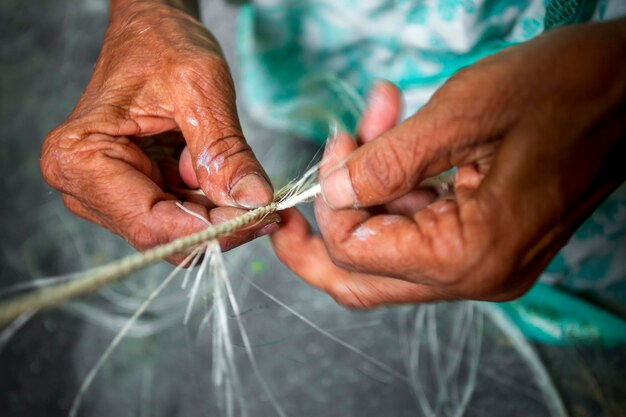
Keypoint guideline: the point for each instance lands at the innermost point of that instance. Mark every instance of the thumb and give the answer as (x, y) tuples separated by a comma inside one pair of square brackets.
[(462, 123), (225, 166), (391, 165)]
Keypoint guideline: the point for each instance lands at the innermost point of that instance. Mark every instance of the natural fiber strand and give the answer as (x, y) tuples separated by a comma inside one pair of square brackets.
[(97, 278)]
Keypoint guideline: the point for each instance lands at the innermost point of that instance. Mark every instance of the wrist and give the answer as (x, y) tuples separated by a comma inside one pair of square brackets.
[(121, 8)]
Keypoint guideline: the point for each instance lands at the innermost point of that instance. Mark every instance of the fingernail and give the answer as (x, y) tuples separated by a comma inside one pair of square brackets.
[(337, 189), (266, 230), (252, 191)]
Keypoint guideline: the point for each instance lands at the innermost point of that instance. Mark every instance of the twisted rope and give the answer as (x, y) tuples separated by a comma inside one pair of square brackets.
[(97, 278)]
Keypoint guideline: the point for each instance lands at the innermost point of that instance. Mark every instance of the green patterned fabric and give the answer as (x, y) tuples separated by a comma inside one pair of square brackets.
[(307, 62), (567, 12), (291, 51)]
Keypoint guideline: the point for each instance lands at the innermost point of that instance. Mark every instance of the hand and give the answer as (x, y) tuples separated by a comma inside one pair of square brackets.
[(159, 84), (538, 135)]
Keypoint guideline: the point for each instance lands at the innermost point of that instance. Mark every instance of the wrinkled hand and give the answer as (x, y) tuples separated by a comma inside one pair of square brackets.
[(159, 84), (538, 136)]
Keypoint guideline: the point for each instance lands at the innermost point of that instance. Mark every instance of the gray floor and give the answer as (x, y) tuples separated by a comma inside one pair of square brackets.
[(47, 51)]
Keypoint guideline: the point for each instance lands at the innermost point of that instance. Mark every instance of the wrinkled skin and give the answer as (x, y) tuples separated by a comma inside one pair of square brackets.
[(160, 87), (538, 133)]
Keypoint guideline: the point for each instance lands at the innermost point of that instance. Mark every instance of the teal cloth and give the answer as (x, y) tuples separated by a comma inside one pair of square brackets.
[(308, 62)]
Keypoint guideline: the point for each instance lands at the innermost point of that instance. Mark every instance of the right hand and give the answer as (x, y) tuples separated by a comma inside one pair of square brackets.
[(159, 84), (538, 135)]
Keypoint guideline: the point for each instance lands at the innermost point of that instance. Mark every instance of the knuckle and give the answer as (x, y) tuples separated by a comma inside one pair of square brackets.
[(340, 258), (223, 130), (141, 237), (189, 75), (449, 278), (210, 99), (383, 168), (450, 102), (224, 146), (454, 265), (207, 74), (71, 157), (461, 77), (448, 253), (48, 161), (456, 270), (70, 203), (460, 85), (463, 108), (58, 157), (350, 297), (220, 74), (451, 271)]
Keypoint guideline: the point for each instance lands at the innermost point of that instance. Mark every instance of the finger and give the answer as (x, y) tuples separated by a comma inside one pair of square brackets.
[(164, 152), (78, 208), (225, 166), (312, 263), (412, 202), (338, 148), (379, 171), (334, 224), (444, 133), (421, 249), (382, 112), (264, 226), (111, 177), (332, 221), (220, 215), (467, 177), (186, 170), (341, 227), (427, 250)]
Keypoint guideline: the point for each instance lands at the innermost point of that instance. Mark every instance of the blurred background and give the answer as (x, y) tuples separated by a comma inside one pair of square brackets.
[(448, 359)]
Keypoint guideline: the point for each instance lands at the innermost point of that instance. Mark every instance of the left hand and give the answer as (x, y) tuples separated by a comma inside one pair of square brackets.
[(160, 84)]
